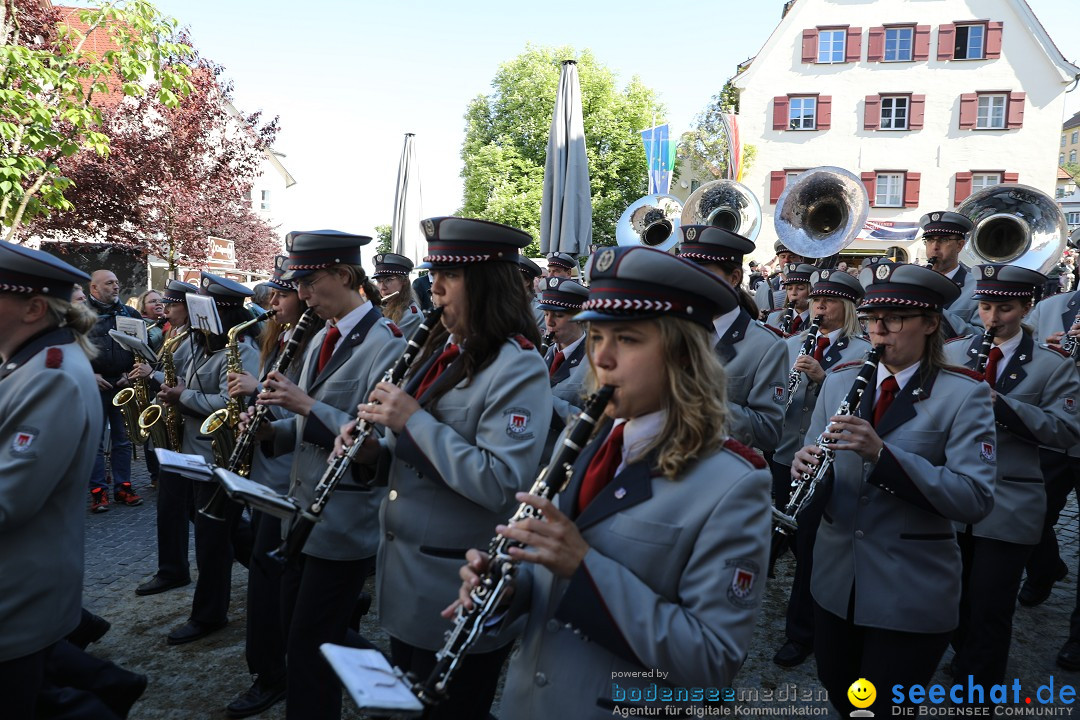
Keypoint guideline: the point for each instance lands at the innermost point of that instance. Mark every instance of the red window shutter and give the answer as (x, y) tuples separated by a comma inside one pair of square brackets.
[(824, 112), (853, 45), (872, 113), (809, 46), (875, 44), (946, 40), (777, 180), (921, 51), (1011, 178), (911, 189), (780, 112), (918, 112), (969, 108), (993, 39), (961, 187), (869, 179), (1015, 116)]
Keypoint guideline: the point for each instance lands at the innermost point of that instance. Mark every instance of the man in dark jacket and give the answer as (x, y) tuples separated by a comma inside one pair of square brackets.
[(110, 370)]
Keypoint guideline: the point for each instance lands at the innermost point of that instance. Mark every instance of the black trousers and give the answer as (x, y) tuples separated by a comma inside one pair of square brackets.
[(800, 609), (846, 652), (472, 688), (990, 581), (1061, 476), (80, 686), (265, 644), (175, 509), (21, 680), (217, 544), (317, 599), (781, 483)]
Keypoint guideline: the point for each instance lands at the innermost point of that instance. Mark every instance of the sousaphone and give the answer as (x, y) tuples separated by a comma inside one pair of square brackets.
[(725, 204), (1014, 224), (652, 221), (821, 212)]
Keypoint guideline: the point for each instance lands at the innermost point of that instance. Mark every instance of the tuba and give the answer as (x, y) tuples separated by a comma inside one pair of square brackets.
[(221, 424), (1014, 224), (725, 204), (821, 212), (652, 221), (164, 424)]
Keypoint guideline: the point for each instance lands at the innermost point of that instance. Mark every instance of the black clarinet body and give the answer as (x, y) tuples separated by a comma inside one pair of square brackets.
[(984, 349)]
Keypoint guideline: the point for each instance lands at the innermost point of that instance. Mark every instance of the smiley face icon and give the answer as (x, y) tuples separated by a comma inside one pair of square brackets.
[(862, 693)]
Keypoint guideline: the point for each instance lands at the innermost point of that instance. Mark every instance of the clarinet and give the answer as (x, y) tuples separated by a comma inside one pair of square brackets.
[(301, 527), (546, 342), (1071, 344), (787, 318), (496, 581), (795, 377), (786, 523), (984, 350), (244, 450)]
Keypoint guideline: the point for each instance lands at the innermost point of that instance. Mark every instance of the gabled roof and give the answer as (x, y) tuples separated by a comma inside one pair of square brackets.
[(1072, 122), (1063, 175)]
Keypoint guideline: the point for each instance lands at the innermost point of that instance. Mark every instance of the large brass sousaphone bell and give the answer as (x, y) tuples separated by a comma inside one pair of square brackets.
[(652, 221), (821, 212), (1014, 224), (725, 204)]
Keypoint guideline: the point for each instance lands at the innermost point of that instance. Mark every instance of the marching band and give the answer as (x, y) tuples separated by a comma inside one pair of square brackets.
[(910, 434)]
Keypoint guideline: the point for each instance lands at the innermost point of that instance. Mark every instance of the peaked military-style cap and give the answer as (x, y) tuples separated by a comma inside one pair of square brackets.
[(798, 273), (945, 223), (176, 290), (563, 260), (900, 285), (709, 244), (314, 250), (454, 242), (562, 295), (276, 281), (392, 264), (225, 292), (529, 268), (32, 272), (636, 282), (1006, 282), (835, 283)]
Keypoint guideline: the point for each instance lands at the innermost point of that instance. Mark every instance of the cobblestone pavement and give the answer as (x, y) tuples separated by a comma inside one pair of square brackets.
[(196, 681)]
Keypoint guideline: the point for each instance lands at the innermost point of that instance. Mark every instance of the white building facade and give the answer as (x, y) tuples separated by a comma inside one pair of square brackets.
[(925, 101)]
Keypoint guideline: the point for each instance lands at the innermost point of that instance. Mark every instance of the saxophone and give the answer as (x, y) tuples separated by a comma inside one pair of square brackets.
[(164, 424), (221, 424), (132, 402), (795, 377)]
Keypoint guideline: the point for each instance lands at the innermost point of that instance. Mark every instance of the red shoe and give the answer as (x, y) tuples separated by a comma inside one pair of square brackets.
[(99, 500), (126, 496)]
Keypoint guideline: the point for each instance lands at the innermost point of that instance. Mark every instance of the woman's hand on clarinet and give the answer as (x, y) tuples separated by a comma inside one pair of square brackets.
[(242, 384), (264, 433), (283, 392), (366, 455), (476, 563), (810, 367), (853, 433), (394, 408), (554, 541), (805, 461)]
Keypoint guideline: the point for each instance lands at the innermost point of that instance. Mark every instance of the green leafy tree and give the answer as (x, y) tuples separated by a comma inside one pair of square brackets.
[(506, 140), (55, 71), (382, 234), (705, 146)]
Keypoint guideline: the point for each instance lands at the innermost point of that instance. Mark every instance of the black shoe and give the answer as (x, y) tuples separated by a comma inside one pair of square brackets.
[(91, 629), (363, 604), (121, 695), (1035, 593), (1069, 657), (156, 585), (255, 699), (792, 654), (192, 631)]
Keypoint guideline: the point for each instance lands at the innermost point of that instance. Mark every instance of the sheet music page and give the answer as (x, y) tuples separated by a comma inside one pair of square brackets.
[(372, 683), (190, 466)]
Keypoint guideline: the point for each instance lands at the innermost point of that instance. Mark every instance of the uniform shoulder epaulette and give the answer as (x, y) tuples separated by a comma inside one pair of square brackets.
[(1057, 349), (848, 364), (54, 357), (777, 331), (395, 329), (414, 309), (960, 370), (523, 342), (745, 453), (958, 338)]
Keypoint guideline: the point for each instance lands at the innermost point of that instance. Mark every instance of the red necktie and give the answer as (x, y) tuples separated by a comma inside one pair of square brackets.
[(796, 323), (886, 393), (448, 356), (556, 362), (822, 343), (327, 349), (991, 366), (602, 467)]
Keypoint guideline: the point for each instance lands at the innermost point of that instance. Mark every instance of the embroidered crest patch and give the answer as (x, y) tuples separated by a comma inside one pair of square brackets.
[(987, 452), (605, 260), (779, 393), (744, 572), (1070, 405), (23, 439), (691, 233), (517, 423), (882, 272)]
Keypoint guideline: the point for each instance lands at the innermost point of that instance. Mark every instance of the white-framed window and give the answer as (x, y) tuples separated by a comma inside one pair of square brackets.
[(1063, 139), (264, 203), (898, 44), (984, 180), (991, 112), (790, 176), (1061, 159), (830, 46), (1059, 192), (1072, 156), (801, 113), (970, 42), (894, 112), (1072, 218), (1075, 137), (889, 190)]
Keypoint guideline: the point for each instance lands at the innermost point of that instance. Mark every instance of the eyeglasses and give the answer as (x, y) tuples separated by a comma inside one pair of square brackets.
[(892, 323), (308, 284)]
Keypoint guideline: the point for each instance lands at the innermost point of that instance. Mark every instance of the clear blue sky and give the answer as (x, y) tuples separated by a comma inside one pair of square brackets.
[(348, 79)]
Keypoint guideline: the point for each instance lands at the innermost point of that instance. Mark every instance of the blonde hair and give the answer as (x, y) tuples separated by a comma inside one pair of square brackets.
[(695, 401), (76, 316)]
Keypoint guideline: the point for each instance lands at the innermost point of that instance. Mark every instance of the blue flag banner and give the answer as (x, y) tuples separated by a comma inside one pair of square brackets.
[(660, 153)]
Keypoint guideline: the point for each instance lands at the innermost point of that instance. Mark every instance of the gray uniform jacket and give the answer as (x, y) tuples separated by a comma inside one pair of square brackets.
[(672, 581), (1055, 314), (453, 473), (754, 358), (206, 391), (410, 319), (962, 314), (776, 317), (348, 528), (273, 470), (797, 421), (567, 387), (1037, 399), (50, 427), (769, 294), (886, 532)]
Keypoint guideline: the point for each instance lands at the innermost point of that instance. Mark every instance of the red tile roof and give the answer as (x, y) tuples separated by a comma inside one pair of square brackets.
[(1062, 175), (97, 44)]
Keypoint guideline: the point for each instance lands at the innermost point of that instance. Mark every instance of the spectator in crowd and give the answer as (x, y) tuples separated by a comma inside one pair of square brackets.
[(152, 310), (262, 295), (78, 295)]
